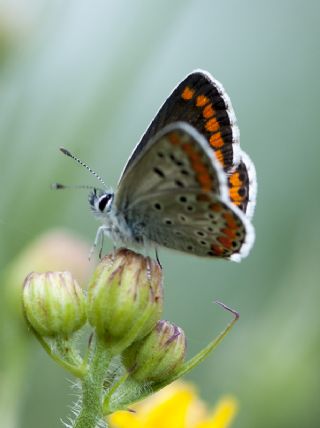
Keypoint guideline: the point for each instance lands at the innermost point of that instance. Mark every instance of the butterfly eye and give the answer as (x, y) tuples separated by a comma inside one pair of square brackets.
[(103, 201)]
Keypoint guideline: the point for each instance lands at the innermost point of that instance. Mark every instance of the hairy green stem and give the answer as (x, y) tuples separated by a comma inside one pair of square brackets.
[(92, 388)]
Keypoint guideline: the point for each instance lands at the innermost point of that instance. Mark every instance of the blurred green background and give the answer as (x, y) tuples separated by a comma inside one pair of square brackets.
[(90, 76)]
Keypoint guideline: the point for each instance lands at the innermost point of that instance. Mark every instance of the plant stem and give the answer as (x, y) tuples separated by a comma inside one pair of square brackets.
[(185, 368), (92, 388), (111, 391), (202, 355)]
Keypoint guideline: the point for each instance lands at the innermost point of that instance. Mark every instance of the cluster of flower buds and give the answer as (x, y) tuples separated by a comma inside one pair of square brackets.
[(123, 304)]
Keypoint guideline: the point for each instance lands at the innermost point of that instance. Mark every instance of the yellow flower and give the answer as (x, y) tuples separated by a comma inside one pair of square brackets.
[(176, 406)]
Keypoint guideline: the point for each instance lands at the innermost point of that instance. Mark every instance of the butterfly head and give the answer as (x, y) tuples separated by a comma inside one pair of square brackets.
[(101, 201)]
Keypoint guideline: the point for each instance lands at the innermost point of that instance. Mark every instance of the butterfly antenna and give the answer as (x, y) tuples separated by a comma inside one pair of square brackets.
[(67, 153), (59, 186)]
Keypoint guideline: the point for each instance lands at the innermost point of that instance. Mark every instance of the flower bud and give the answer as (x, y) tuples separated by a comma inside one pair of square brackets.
[(53, 303), (159, 355), (125, 297), (55, 250)]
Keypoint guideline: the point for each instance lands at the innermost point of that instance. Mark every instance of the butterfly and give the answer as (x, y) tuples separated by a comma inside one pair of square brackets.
[(188, 185)]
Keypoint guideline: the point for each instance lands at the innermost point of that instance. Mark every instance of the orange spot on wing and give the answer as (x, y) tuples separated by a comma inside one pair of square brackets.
[(219, 156), (187, 93), (192, 153), (235, 180), (201, 100), (230, 233), (216, 140), (212, 125), (198, 166), (174, 138), (216, 250), (215, 207), (208, 111), (230, 220), (187, 148), (196, 160), (226, 242), (234, 195), (202, 175), (204, 181)]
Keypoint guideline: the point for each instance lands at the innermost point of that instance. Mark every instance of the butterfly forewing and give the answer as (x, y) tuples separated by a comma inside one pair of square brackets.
[(202, 102)]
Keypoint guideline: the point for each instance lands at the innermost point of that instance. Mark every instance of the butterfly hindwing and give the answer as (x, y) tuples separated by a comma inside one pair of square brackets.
[(193, 222), (175, 194), (243, 185)]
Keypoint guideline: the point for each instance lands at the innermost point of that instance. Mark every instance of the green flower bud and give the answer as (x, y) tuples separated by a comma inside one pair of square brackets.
[(53, 303), (159, 355), (56, 250), (125, 298)]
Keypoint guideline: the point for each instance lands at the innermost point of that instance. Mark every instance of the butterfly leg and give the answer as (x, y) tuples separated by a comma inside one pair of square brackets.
[(149, 264), (114, 249), (100, 234), (101, 247), (157, 257)]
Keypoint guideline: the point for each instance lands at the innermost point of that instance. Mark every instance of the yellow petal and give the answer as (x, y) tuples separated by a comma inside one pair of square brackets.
[(176, 406), (222, 415), (168, 408), (172, 412), (124, 419)]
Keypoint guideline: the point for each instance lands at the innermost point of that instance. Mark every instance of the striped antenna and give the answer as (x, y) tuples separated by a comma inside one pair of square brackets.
[(67, 153), (59, 186)]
